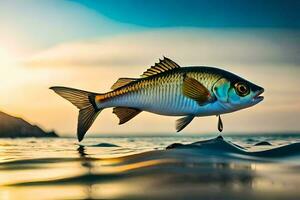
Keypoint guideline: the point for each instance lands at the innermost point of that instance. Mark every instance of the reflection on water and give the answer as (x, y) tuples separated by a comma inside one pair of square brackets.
[(87, 164), (130, 168)]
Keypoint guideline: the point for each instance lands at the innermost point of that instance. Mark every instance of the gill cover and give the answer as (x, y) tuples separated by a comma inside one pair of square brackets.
[(221, 88)]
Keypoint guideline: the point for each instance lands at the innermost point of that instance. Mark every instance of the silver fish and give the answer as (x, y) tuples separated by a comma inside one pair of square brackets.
[(167, 89)]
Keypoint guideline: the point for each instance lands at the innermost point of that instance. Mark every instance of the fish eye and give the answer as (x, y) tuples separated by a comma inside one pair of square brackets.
[(242, 89)]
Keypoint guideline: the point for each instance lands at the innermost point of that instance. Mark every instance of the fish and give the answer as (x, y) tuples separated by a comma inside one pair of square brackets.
[(167, 89)]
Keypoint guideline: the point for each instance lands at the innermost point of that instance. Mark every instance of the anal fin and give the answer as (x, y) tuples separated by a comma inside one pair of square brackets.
[(183, 122), (125, 114)]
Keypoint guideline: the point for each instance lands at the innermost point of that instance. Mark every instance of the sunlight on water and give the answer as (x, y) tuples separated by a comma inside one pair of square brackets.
[(140, 167)]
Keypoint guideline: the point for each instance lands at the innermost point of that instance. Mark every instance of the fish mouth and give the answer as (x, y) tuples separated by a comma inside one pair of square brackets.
[(258, 97)]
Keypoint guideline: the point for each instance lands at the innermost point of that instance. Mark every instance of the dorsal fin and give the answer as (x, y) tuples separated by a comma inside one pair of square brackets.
[(164, 65), (122, 82)]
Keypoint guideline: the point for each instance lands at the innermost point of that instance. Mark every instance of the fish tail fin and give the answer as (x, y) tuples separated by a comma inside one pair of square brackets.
[(85, 102)]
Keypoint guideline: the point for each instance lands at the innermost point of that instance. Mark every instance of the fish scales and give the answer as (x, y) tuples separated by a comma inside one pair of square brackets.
[(161, 94)]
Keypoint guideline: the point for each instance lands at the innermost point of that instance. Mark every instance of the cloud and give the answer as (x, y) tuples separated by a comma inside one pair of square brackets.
[(199, 46), (29, 26)]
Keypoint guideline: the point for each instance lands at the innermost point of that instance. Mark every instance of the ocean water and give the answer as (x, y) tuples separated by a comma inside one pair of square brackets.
[(192, 167)]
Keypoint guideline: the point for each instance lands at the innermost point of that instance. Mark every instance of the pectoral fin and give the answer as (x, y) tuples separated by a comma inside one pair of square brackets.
[(125, 114), (195, 90), (183, 122), (220, 124)]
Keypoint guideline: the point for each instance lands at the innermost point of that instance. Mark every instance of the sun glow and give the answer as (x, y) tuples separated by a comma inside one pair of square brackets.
[(5, 58), (8, 69)]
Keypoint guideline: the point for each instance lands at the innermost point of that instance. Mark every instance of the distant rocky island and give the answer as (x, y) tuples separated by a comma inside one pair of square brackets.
[(17, 127)]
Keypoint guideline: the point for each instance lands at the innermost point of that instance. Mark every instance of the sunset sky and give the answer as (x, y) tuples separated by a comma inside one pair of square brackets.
[(90, 44)]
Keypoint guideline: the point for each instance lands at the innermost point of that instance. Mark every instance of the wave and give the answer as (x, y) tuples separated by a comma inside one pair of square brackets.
[(212, 147), (220, 146), (102, 145)]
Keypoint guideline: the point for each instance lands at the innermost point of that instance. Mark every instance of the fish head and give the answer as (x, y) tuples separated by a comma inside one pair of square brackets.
[(236, 93)]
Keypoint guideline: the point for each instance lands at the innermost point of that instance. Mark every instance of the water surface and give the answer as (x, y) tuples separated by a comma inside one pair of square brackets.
[(142, 168)]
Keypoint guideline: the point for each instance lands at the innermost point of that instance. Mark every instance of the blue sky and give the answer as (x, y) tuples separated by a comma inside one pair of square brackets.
[(90, 44), (201, 13), (53, 22)]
